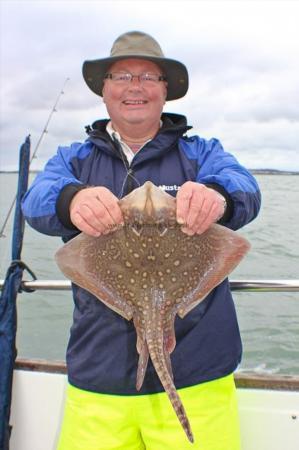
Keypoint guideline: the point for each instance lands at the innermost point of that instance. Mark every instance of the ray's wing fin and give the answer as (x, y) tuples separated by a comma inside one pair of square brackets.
[(84, 261), (215, 254)]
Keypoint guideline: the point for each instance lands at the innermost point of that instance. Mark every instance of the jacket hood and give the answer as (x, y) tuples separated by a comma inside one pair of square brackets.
[(174, 122), (173, 127)]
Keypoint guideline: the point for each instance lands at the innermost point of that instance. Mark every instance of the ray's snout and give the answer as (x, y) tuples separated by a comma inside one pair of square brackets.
[(148, 204)]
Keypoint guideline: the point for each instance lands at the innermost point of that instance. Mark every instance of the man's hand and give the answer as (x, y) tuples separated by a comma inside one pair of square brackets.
[(198, 207), (95, 211)]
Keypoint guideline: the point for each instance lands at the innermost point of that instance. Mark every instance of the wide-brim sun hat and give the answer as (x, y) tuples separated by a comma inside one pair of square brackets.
[(137, 45)]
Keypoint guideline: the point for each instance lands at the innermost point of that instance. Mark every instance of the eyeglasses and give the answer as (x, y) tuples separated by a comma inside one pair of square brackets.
[(126, 78)]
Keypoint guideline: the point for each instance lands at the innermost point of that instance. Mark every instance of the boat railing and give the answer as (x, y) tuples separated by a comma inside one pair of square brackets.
[(235, 285), (243, 379)]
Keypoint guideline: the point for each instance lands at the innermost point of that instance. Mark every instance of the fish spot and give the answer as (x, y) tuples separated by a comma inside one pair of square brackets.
[(136, 255), (167, 255), (132, 280), (173, 279), (177, 262), (127, 263)]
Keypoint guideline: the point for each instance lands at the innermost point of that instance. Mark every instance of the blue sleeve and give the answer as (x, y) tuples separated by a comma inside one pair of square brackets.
[(216, 166), (39, 203)]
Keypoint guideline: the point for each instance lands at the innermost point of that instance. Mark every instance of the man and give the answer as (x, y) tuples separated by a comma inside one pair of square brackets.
[(79, 191)]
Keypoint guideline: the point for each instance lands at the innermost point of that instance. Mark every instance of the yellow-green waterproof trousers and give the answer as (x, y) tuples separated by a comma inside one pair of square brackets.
[(111, 422)]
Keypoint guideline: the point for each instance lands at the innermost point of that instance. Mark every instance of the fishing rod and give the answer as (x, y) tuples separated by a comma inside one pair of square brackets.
[(45, 131)]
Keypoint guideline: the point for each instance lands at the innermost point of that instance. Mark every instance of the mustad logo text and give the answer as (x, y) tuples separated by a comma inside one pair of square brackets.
[(173, 187)]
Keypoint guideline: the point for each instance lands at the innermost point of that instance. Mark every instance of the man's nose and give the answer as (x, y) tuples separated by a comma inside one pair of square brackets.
[(135, 83)]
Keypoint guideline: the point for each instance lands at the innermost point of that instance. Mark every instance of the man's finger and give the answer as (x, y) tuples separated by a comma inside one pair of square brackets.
[(110, 203), (183, 199), (85, 227)]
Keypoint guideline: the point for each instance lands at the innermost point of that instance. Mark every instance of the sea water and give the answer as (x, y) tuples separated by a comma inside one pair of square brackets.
[(269, 322)]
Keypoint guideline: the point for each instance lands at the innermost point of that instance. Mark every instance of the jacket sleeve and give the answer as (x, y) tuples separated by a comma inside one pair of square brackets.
[(221, 170), (40, 202)]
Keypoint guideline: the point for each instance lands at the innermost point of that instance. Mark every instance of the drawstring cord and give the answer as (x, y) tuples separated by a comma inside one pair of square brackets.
[(129, 172)]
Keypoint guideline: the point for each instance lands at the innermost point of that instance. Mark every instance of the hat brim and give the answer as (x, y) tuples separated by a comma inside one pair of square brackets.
[(176, 73)]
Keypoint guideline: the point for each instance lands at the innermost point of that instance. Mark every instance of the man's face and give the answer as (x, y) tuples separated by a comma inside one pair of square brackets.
[(134, 103)]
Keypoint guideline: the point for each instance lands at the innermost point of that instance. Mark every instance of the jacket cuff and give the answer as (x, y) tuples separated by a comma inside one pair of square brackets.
[(63, 204), (230, 205)]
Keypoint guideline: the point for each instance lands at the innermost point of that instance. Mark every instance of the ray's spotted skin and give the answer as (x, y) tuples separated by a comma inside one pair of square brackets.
[(149, 271)]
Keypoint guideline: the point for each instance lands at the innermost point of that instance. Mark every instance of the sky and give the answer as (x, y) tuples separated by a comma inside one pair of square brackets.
[(242, 58)]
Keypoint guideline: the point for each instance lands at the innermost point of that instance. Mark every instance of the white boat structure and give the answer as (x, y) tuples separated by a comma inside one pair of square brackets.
[(268, 404)]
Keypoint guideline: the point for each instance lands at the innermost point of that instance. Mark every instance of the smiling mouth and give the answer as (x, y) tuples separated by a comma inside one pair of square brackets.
[(134, 102)]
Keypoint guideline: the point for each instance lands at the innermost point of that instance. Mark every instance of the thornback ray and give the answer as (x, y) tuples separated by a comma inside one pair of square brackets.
[(149, 271)]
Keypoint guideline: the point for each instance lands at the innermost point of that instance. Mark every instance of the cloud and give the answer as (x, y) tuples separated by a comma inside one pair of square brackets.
[(242, 58)]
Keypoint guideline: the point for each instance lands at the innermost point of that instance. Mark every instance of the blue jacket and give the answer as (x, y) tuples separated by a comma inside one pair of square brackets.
[(101, 353)]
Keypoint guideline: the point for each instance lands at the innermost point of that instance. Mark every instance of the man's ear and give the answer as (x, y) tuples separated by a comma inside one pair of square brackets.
[(103, 92), (165, 94)]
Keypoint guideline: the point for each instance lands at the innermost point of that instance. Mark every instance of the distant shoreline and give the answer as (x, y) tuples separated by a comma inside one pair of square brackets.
[(253, 171), (273, 172)]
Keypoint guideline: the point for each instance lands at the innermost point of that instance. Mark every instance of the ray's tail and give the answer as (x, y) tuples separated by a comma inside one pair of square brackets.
[(157, 355)]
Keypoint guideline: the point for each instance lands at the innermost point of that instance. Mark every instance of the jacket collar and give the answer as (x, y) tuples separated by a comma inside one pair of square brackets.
[(173, 127), (170, 122)]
